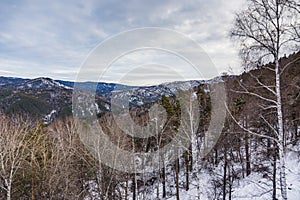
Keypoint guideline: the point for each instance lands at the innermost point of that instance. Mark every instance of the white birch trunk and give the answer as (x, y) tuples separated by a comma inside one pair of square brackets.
[(8, 184), (8, 196), (280, 135)]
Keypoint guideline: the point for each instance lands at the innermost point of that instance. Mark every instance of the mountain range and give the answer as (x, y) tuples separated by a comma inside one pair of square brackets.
[(44, 97)]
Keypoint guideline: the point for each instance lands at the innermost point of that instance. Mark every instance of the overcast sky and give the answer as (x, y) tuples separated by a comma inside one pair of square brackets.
[(54, 38)]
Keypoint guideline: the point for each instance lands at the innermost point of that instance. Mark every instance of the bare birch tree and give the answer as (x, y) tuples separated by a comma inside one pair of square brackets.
[(267, 29), (12, 150), (190, 116)]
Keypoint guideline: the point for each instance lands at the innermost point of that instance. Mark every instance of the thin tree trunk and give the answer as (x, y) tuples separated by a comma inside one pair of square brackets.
[(230, 178), (191, 157), (32, 188), (282, 173), (295, 130), (247, 150), (248, 164), (274, 171), (158, 182), (126, 190), (186, 156), (225, 175), (9, 184), (164, 181), (134, 187), (177, 178), (8, 196), (198, 168), (281, 136), (216, 157)]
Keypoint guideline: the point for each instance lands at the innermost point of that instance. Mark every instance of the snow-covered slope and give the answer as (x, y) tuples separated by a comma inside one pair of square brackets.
[(42, 83), (257, 186)]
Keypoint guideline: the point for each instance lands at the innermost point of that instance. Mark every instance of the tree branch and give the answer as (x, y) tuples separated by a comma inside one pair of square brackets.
[(247, 129)]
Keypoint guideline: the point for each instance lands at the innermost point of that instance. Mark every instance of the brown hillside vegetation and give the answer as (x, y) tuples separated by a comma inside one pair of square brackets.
[(249, 105)]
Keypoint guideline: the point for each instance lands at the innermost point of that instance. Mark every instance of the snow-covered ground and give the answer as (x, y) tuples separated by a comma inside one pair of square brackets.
[(207, 183), (257, 187), (253, 187)]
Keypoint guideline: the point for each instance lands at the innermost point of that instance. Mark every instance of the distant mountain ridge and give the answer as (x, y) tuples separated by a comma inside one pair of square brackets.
[(42, 96), (45, 82)]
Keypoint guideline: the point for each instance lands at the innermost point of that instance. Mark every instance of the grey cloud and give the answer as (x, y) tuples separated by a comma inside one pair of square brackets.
[(56, 37)]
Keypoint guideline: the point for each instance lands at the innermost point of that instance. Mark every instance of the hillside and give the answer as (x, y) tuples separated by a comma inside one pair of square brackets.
[(239, 166), (38, 97)]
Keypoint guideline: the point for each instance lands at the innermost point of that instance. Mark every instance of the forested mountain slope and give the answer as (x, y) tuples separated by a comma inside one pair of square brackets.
[(50, 161)]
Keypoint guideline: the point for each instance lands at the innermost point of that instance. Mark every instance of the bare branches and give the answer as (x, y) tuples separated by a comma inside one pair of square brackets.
[(267, 107), (247, 129), (269, 88), (246, 91), (288, 64), (267, 26), (269, 124), (12, 150)]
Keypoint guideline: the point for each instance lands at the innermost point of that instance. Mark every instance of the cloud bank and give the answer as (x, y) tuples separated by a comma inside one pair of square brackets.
[(54, 38)]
